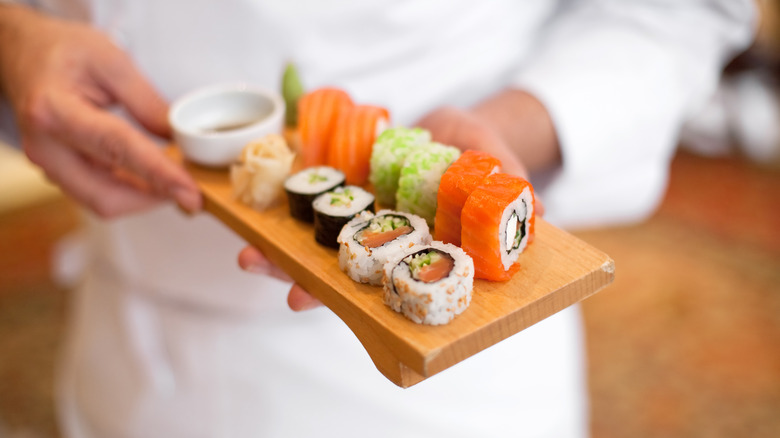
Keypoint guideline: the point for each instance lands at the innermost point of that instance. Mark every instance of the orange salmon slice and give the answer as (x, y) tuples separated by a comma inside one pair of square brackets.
[(436, 271), (373, 240)]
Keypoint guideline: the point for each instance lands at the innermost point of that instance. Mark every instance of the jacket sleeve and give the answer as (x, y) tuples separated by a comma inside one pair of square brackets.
[(8, 131), (619, 79)]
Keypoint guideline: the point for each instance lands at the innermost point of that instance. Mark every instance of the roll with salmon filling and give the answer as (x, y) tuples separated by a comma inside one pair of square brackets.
[(497, 225), (429, 284), (368, 240)]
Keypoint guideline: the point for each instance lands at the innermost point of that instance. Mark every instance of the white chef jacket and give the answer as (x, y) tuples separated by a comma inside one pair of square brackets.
[(169, 338)]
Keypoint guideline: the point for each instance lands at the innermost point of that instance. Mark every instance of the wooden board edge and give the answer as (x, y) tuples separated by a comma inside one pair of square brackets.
[(514, 323)]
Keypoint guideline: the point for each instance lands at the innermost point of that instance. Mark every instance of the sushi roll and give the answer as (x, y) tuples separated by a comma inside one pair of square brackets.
[(457, 183), (497, 224), (303, 187), (419, 179), (353, 139), (318, 112), (387, 157), (333, 209), (429, 284), (368, 240)]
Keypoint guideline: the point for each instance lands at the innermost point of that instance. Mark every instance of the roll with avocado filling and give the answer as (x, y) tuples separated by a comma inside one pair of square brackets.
[(303, 187), (333, 209)]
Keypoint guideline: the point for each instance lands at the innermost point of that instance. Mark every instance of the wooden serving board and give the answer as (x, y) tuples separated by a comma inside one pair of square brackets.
[(557, 270)]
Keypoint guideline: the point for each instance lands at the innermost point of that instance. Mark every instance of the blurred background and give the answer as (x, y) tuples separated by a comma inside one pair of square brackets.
[(685, 343)]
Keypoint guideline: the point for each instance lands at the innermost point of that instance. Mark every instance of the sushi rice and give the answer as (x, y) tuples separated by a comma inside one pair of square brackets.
[(433, 303), (334, 209), (514, 229), (497, 225), (303, 187), (365, 264)]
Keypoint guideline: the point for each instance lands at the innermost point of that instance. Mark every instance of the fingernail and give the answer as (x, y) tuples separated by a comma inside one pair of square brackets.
[(188, 199), (259, 267), (309, 305)]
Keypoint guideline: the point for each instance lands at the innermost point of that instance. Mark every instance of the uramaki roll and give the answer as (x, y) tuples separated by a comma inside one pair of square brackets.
[(457, 183), (368, 241), (497, 224), (429, 284)]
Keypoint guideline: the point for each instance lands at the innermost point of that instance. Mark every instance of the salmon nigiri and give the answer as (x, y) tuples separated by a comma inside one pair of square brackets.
[(318, 112), (353, 138), (457, 183), (497, 223)]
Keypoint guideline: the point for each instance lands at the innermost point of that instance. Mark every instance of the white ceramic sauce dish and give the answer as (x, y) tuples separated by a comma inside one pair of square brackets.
[(212, 125)]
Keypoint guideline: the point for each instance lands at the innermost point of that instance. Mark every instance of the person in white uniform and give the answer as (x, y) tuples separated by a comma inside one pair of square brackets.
[(169, 337)]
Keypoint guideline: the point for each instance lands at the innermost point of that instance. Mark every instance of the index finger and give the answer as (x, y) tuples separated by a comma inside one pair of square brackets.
[(121, 79), (114, 143), (478, 136), (491, 143)]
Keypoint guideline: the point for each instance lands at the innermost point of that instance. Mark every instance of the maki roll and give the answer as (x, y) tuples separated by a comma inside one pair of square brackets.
[(353, 138), (306, 185), (368, 240), (497, 224), (387, 157), (457, 183), (419, 179), (318, 113), (333, 209), (429, 284)]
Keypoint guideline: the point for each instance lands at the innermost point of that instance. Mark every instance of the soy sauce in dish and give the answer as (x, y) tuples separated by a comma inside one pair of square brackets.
[(228, 126)]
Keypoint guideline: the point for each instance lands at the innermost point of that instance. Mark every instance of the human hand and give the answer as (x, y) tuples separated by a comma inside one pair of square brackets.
[(61, 79), (513, 126), (252, 259), (465, 130)]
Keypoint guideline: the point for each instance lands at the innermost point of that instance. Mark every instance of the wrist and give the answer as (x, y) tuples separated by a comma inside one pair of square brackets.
[(524, 124)]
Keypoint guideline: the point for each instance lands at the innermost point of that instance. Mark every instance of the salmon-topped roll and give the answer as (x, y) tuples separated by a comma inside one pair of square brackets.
[(353, 138), (497, 223), (368, 240), (318, 113), (429, 284), (457, 183)]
